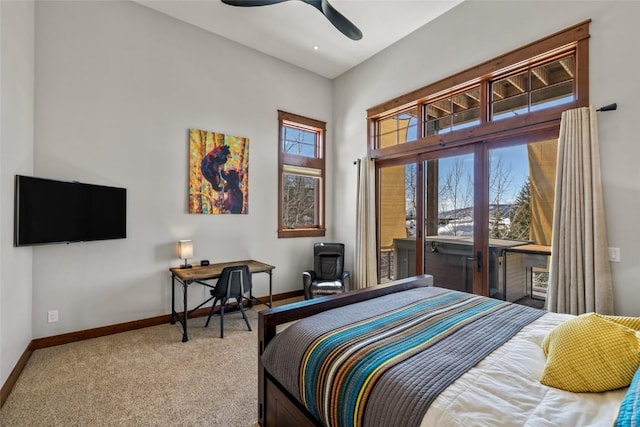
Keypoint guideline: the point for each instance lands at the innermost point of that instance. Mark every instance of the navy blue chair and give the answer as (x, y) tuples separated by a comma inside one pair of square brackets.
[(234, 283)]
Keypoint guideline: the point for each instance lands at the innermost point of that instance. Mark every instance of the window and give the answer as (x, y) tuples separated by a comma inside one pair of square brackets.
[(537, 88), (301, 167), (398, 128), (526, 89), (453, 112), (473, 191)]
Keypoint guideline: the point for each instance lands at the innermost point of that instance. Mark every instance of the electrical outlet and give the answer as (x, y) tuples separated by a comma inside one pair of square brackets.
[(614, 254), (52, 316)]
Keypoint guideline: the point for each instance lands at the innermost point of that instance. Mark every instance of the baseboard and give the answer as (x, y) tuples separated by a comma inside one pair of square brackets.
[(15, 373), (283, 296), (136, 324), (101, 331), (104, 331)]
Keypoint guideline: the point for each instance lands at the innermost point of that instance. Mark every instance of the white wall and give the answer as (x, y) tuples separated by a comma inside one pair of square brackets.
[(476, 31), (118, 86), (16, 157)]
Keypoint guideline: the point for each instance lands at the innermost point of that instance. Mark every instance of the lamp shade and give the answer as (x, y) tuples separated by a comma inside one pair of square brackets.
[(185, 249)]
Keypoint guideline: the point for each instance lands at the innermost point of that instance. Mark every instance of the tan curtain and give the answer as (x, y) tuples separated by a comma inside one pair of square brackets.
[(580, 276), (365, 259)]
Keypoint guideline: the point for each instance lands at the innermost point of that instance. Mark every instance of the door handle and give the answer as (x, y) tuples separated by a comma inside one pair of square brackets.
[(479, 260)]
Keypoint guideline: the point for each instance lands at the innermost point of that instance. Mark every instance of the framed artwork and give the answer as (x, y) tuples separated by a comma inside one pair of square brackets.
[(218, 173)]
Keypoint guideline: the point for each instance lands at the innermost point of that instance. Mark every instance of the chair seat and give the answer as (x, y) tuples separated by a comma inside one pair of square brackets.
[(332, 286)]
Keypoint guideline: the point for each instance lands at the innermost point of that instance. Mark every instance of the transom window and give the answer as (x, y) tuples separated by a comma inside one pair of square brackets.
[(534, 89), (301, 178), (398, 128), (454, 112), (526, 87)]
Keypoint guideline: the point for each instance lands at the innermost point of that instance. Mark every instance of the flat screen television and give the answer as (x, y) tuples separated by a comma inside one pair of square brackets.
[(50, 211)]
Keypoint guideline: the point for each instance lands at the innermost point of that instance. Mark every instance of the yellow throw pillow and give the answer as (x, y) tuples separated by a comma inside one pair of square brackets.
[(592, 353)]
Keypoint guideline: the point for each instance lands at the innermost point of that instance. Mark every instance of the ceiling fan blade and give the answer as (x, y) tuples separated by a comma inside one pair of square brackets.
[(338, 20), (251, 3)]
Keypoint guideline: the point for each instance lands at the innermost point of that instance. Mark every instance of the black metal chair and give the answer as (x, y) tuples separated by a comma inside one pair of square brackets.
[(328, 276), (234, 282)]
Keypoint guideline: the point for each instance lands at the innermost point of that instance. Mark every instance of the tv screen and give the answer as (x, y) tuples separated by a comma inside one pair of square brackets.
[(50, 211)]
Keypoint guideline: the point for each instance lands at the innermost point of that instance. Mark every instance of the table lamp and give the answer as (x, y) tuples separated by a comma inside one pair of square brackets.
[(185, 251)]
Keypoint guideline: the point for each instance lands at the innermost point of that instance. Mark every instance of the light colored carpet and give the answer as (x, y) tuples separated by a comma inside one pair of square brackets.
[(146, 377)]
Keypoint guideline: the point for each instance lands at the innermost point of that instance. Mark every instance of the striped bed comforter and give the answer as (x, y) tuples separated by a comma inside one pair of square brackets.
[(382, 362)]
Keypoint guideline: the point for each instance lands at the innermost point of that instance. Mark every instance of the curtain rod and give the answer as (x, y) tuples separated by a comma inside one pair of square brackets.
[(610, 107)]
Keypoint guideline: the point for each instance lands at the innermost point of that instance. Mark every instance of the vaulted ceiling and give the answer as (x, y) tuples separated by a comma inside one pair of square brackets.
[(290, 30)]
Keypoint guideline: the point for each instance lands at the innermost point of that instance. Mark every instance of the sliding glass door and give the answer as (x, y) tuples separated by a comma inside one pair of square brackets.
[(478, 219), (426, 220), (449, 208), (397, 189), (519, 219)]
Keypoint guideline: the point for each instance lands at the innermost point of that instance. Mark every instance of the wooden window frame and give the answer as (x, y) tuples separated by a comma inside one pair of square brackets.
[(574, 39), (480, 138), (297, 161)]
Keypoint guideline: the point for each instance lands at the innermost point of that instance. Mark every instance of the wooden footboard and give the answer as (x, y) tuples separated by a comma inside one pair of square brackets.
[(275, 406)]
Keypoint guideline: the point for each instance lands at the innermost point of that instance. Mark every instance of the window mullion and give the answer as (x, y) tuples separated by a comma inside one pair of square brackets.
[(485, 100)]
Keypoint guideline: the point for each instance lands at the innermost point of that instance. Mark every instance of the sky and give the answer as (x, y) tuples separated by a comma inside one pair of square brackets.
[(514, 159)]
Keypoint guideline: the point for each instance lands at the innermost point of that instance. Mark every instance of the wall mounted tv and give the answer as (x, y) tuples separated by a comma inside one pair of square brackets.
[(50, 211)]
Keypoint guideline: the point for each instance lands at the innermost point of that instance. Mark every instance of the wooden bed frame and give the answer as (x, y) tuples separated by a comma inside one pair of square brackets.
[(276, 406)]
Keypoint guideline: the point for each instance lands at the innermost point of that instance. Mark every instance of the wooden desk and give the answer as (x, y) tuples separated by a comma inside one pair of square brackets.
[(198, 274)]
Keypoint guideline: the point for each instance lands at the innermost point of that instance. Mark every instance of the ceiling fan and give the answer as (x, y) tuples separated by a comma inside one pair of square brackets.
[(338, 20)]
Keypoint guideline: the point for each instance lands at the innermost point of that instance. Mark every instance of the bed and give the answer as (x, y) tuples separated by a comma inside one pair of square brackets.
[(408, 353)]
